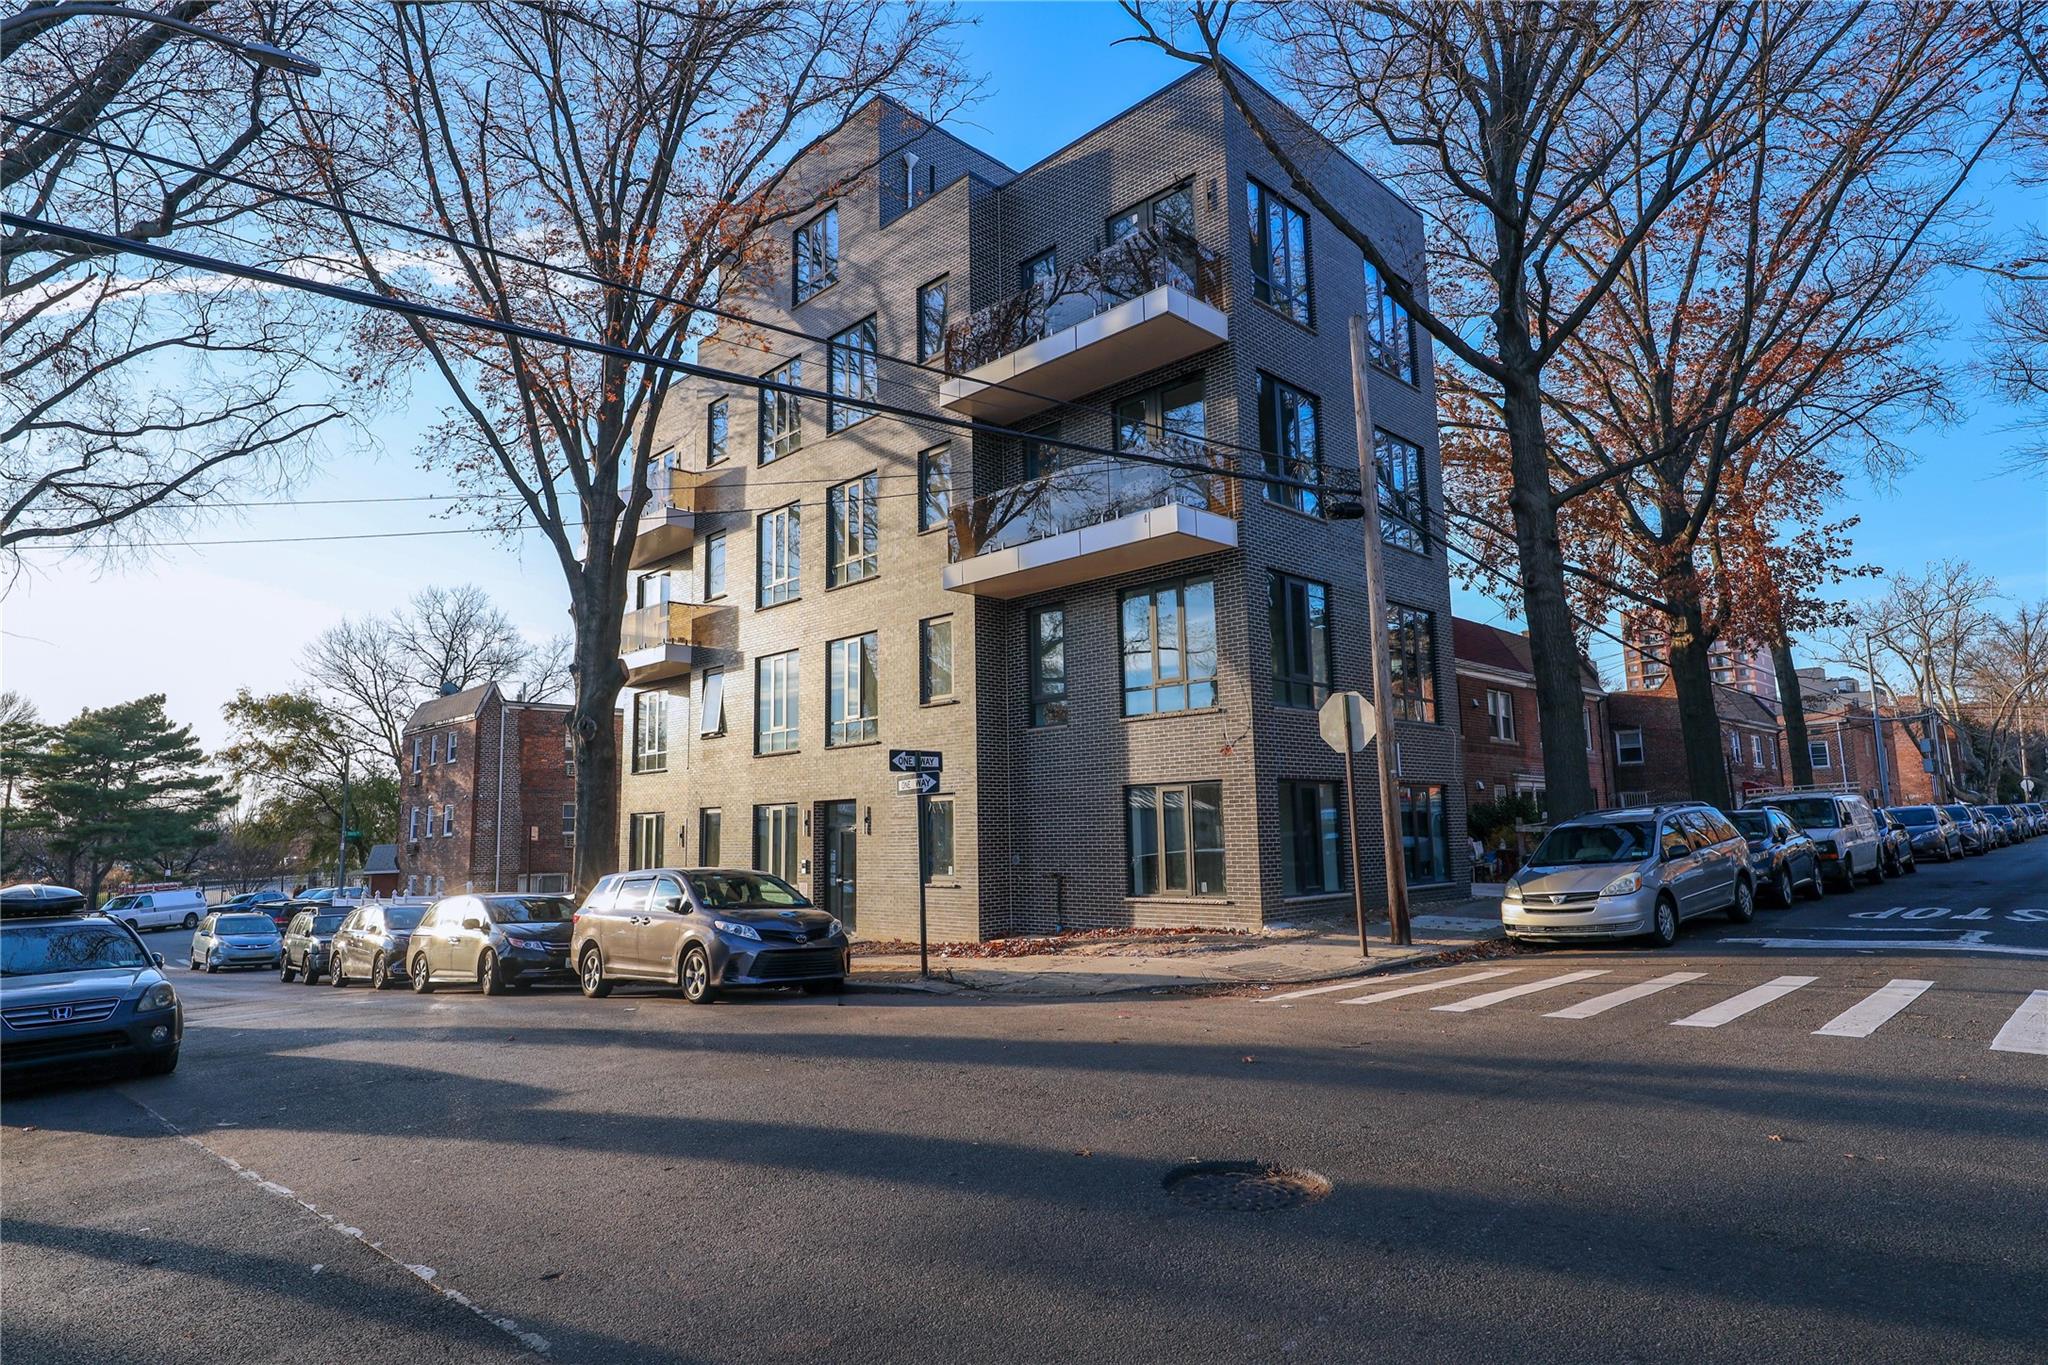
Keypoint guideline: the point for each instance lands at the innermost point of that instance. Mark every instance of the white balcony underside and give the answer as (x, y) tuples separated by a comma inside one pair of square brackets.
[(1142, 540), (663, 532), (661, 662), (1135, 337)]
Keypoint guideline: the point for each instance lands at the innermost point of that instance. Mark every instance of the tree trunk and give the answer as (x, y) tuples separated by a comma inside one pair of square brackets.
[(1699, 722), (1792, 703), (1553, 643), (599, 678)]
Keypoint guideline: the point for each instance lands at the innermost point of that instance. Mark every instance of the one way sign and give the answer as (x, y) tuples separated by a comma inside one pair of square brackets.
[(916, 761), (924, 784)]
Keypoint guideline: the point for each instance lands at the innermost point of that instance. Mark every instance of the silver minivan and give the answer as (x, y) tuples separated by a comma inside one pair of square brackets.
[(1618, 873), (1842, 826), (704, 928)]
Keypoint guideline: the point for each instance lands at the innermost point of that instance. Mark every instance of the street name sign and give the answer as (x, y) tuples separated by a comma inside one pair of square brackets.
[(923, 784), (916, 761)]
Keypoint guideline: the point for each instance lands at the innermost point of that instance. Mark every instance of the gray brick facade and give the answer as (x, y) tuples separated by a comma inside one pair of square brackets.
[(1039, 812)]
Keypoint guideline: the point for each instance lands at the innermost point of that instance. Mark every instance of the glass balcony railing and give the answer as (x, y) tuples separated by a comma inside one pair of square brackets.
[(1086, 494), (664, 623), (1146, 260)]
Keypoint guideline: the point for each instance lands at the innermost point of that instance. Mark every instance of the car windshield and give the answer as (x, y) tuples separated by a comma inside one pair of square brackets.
[(529, 909), (244, 924), (327, 924), (1998, 811), (39, 949), (1915, 815), (1754, 824), (1625, 841), (119, 903), (1810, 812), (743, 890), (404, 919)]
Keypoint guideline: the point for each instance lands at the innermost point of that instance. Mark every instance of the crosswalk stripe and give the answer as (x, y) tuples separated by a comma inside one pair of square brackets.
[(1351, 984), (1600, 1004), (1428, 986), (1862, 1019), (1480, 1002), (2027, 1030), (1738, 1005)]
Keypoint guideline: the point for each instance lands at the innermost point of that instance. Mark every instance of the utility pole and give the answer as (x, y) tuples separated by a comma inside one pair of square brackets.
[(1376, 626), (341, 843), (1884, 784)]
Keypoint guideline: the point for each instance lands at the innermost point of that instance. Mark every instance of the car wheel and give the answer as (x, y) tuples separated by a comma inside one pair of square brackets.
[(488, 974), (310, 973), (590, 974), (163, 1064), (380, 973), (693, 974), (191, 921), (191, 964), (422, 975), (211, 965), (1876, 877), (284, 970), (334, 973), (1912, 864), (1781, 891), (1815, 888), (1744, 909), (1664, 923)]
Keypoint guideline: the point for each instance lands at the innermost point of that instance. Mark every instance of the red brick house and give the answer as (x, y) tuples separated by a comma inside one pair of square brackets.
[(1648, 754), (1497, 716), (487, 794)]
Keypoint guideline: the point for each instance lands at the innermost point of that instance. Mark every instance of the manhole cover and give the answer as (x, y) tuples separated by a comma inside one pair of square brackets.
[(1244, 1186)]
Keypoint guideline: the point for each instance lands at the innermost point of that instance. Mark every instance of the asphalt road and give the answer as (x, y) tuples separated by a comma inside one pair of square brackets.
[(1854, 1167)]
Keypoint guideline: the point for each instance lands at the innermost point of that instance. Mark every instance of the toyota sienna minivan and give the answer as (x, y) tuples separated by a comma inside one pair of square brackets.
[(1618, 873), (704, 928)]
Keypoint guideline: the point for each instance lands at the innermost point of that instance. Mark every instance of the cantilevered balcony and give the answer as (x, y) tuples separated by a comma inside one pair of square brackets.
[(1150, 300), (657, 641), (668, 524), (1086, 522)]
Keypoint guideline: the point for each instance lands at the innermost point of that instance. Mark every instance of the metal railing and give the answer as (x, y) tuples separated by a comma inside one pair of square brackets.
[(1087, 494), (664, 623), (1146, 260), (681, 490)]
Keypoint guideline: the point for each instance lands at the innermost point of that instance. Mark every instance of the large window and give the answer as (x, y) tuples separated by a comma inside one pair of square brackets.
[(1048, 645), (1310, 844), (1404, 514), (1164, 421), (1171, 211), (1425, 834), (850, 376), (850, 691), (852, 530), (775, 704), (717, 426), (1169, 647), (931, 320), (1411, 637), (1041, 272), (1628, 746), (816, 251), (938, 838), (714, 566), (650, 732), (775, 841), (1279, 244), (782, 422), (711, 707), (1389, 334), (778, 548), (934, 487), (1287, 435), (1174, 837), (1300, 614), (643, 840), (710, 836), (935, 659), (1500, 714)]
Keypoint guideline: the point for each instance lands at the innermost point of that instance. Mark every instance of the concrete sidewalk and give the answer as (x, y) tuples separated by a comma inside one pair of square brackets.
[(1325, 950)]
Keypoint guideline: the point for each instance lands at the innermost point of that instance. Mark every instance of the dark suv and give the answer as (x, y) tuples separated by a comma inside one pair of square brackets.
[(80, 992), (704, 928)]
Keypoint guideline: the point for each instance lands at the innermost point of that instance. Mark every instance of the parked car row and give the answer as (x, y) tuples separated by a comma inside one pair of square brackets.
[(1647, 869)]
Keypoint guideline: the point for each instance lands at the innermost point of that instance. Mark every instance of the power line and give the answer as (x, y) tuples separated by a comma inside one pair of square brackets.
[(520, 258)]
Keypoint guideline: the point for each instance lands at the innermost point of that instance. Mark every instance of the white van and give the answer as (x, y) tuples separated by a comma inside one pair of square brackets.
[(161, 908), (1847, 831)]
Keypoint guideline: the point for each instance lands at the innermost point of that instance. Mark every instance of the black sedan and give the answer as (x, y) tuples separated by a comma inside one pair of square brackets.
[(1930, 830), (1781, 856)]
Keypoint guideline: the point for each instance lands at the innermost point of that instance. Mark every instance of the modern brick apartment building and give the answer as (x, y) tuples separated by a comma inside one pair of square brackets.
[(1497, 717), (487, 795), (1120, 661)]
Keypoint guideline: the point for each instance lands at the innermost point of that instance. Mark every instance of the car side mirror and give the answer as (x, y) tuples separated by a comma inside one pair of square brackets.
[(159, 958), (473, 925), (671, 905)]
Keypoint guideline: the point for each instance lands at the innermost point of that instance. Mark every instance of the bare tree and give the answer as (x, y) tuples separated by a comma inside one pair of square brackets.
[(132, 399), (2016, 349), (546, 674), (638, 144), (1511, 128)]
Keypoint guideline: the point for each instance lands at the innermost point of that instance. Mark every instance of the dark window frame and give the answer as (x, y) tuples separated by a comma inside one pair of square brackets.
[(1293, 685), (1280, 406), (1321, 845), (844, 409), (775, 439), (1191, 853), (1050, 695), (802, 247), (717, 432), (1412, 690), (934, 496), (1264, 287), (1404, 516), (931, 340), (1186, 679), (1385, 317), (932, 871)]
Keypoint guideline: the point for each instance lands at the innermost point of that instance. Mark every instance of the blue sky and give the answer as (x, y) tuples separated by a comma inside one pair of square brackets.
[(198, 623)]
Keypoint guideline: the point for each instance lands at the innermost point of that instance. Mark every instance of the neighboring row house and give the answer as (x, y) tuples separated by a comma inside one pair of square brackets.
[(487, 795), (1119, 660), (1497, 711), (1649, 748)]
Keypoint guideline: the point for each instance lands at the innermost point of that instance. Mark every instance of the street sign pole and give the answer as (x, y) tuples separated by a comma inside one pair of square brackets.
[(1342, 718), (918, 773), (924, 960), (1351, 836), (1376, 624)]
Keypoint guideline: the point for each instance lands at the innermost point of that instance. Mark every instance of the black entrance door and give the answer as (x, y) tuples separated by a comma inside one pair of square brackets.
[(842, 860)]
